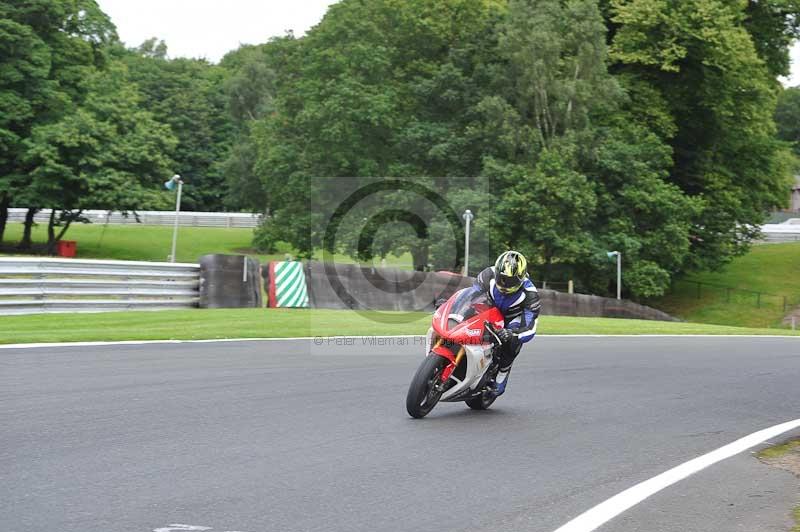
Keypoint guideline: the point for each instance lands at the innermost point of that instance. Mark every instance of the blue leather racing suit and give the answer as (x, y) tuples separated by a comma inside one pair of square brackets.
[(520, 312)]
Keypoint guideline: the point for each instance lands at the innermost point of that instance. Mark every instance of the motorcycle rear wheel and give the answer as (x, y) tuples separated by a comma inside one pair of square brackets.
[(481, 402), (422, 394)]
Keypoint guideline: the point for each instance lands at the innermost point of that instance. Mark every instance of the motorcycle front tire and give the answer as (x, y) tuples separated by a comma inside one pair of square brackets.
[(421, 397)]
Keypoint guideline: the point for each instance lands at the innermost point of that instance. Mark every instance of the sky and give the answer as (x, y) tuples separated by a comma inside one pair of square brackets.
[(794, 79), (211, 28)]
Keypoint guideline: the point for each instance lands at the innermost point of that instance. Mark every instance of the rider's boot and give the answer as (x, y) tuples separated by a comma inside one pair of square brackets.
[(498, 386)]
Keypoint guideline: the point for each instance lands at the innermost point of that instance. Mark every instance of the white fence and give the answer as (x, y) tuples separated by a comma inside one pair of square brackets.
[(41, 285), (188, 218), (788, 231)]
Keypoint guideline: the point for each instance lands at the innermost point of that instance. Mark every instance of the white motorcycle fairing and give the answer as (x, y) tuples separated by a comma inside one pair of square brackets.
[(477, 358)]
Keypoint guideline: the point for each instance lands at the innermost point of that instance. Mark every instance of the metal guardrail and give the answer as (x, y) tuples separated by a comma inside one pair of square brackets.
[(788, 231), (185, 219), (41, 285)]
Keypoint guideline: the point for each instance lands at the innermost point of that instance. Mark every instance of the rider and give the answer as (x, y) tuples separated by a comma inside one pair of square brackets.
[(512, 292)]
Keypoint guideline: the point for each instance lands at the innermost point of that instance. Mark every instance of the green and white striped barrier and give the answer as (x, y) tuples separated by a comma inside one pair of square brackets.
[(287, 285)]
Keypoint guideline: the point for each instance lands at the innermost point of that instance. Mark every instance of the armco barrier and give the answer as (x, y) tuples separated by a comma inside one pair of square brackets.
[(342, 286), (39, 285)]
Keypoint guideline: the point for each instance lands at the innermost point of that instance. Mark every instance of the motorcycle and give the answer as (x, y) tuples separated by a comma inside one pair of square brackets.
[(460, 361)]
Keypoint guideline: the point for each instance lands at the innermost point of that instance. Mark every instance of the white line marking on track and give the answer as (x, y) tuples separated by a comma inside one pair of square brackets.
[(609, 509), (211, 341), (179, 527), (308, 338)]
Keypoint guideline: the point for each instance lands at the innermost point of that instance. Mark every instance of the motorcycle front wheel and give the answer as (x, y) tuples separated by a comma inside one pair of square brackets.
[(422, 393)]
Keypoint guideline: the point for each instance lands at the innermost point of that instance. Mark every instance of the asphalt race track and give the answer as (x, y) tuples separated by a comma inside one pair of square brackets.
[(293, 436)]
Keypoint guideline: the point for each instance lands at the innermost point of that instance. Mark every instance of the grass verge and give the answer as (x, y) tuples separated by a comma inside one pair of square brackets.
[(283, 323), (768, 268), (153, 243), (778, 451)]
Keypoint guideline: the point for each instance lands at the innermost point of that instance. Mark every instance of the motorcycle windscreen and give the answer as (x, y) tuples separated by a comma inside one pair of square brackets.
[(466, 304)]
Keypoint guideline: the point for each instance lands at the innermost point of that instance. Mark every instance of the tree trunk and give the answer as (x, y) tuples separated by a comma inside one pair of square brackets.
[(419, 255), (51, 234), (26, 243), (548, 266), (5, 203), (52, 237), (66, 226)]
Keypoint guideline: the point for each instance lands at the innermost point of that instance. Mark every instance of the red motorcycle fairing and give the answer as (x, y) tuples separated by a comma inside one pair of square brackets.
[(444, 352), (461, 321)]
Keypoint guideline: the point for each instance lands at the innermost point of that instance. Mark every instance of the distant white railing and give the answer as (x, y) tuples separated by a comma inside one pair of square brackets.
[(187, 218), (788, 231), (41, 285)]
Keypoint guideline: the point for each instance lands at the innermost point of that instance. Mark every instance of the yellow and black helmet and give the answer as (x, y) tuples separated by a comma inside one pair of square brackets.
[(510, 271)]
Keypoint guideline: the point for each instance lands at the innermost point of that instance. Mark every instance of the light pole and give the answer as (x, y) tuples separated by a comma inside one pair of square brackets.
[(468, 216), (175, 180), (618, 255)]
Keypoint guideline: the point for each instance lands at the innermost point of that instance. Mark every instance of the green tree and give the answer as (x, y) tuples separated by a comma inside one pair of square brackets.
[(773, 25), (556, 55), (701, 62), (380, 89), (187, 95), (787, 117), (518, 93), (24, 89), (640, 213), (254, 75), (545, 210), (48, 48), (107, 153), (575, 172)]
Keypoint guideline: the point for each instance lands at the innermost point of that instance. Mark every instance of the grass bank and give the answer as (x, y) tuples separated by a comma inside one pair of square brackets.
[(153, 243), (769, 268), (282, 323)]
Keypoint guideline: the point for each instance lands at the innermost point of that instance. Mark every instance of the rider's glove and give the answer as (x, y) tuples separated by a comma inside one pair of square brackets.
[(504, 335)]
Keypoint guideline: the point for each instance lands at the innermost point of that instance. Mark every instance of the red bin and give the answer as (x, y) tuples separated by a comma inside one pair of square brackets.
[(66, 248)]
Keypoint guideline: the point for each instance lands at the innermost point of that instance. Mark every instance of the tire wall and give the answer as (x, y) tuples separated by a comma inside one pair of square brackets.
[(563, 304), (348, 286), (230, 281)]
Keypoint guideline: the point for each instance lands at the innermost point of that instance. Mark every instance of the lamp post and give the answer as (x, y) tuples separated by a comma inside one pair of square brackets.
[(170, 185), (618, 255), (468, 216)]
